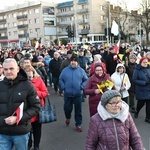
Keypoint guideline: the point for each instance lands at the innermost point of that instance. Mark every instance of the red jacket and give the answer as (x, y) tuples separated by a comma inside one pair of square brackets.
[(41, 91)]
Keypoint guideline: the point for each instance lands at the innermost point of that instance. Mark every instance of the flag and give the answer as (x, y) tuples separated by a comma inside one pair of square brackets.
[(19, 112), (116, 47), (115, 28)]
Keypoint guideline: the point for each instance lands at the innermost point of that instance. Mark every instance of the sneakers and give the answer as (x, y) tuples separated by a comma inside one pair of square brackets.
[(78, 128), (67, 122), (61, 95)]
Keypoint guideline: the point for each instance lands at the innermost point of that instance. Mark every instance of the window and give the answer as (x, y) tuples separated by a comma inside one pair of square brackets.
[(30, 21), (30, 12), (36, 20), (36, 11), (9, 33), (15, 32), (37, 30), (14, 15), (101, 7), (14, 24), (30, 31)]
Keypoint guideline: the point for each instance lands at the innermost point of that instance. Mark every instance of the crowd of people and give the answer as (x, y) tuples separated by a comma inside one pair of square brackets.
[(111, 82)]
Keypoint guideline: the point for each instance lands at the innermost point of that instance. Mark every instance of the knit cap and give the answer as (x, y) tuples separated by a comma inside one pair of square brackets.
[(74, 58), (109, 95), (132, 56)]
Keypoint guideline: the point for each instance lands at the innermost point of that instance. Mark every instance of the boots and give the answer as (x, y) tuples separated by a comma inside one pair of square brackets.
[(136, 115)]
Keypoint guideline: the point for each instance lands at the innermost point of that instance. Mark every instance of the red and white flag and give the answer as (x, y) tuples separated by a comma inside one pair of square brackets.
[(116, 47), (19, 112)]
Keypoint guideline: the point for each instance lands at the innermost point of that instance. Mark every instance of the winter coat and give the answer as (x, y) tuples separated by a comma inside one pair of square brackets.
[(107, 133), (111, 62), (141, 78), (83, 62), (41, 91), (129, 70), (65, 63), (121, 80), (12, 94), (72, 81), (90, 87), (54, 67)]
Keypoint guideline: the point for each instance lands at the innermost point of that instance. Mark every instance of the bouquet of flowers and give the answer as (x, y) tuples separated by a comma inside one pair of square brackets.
[(105, 85)]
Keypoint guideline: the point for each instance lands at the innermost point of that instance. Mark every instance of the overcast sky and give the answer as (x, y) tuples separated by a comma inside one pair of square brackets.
[(132, 4)]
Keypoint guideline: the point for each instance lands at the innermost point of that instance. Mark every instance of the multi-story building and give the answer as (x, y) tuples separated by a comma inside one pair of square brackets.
[(27, 22), (45, 21), (88, 17)]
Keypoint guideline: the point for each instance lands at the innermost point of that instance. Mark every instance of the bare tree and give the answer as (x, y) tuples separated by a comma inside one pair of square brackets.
[(144, 18)]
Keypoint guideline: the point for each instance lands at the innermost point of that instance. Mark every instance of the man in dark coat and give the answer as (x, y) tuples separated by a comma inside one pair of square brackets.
[(16, 93), (111, 61)]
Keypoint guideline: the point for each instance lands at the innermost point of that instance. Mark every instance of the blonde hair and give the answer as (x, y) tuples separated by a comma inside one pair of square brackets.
[(31, 68)]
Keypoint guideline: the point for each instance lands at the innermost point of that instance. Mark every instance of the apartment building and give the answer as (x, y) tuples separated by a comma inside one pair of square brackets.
[(88, 17), (23, 24)]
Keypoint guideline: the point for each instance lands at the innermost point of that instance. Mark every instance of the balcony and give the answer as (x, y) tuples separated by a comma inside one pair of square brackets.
[(3, 37), (22, 17), (64, 23), (68, 13), (3, 29), (2, 20), (84, 21), (82, 1), (62, 33), (22, 26), (84, 31), (25, 35), (84, 10)]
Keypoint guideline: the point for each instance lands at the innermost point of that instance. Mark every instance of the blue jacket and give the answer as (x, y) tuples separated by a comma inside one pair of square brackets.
[(141, 78), (72, 81)]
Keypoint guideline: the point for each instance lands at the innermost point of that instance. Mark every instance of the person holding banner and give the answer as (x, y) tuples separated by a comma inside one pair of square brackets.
[(19, 102)]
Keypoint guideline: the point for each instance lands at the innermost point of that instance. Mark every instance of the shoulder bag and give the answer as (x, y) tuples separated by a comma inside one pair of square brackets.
[(47, 113)]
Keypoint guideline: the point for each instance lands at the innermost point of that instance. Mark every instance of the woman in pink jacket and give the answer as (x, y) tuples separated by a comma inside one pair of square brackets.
[(42, 92), (91, 87), (113, 128)]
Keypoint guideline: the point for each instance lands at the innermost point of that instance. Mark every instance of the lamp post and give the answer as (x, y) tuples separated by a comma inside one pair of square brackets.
[(75, 21), (108, 22)]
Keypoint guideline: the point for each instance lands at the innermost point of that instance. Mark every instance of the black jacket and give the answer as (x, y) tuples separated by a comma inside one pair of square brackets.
[(54, 67), (12, 94)]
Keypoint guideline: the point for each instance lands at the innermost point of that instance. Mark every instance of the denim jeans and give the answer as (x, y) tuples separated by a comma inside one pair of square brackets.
[(68, 107), (20, 142)]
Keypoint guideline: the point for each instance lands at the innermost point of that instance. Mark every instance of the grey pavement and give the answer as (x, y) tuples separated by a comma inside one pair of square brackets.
[(57, 136)]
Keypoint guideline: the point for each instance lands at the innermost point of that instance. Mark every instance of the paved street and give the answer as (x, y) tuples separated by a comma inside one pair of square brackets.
[(57, 136)]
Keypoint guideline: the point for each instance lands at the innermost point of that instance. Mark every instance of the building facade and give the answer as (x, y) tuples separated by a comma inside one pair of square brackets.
[(24, 24)]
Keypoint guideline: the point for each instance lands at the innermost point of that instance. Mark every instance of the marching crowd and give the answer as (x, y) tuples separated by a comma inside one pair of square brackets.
[(110, 81)]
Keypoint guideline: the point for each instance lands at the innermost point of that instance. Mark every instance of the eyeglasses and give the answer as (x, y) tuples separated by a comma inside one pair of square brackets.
[(115, 103), (99, 70)]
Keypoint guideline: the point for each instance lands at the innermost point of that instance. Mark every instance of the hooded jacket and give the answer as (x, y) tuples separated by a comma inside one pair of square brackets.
[(107, 133), (121, 80), (12, 94), (91, 86)]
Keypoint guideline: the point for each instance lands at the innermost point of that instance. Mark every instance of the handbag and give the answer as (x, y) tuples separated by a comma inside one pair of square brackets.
[(47, 113)]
